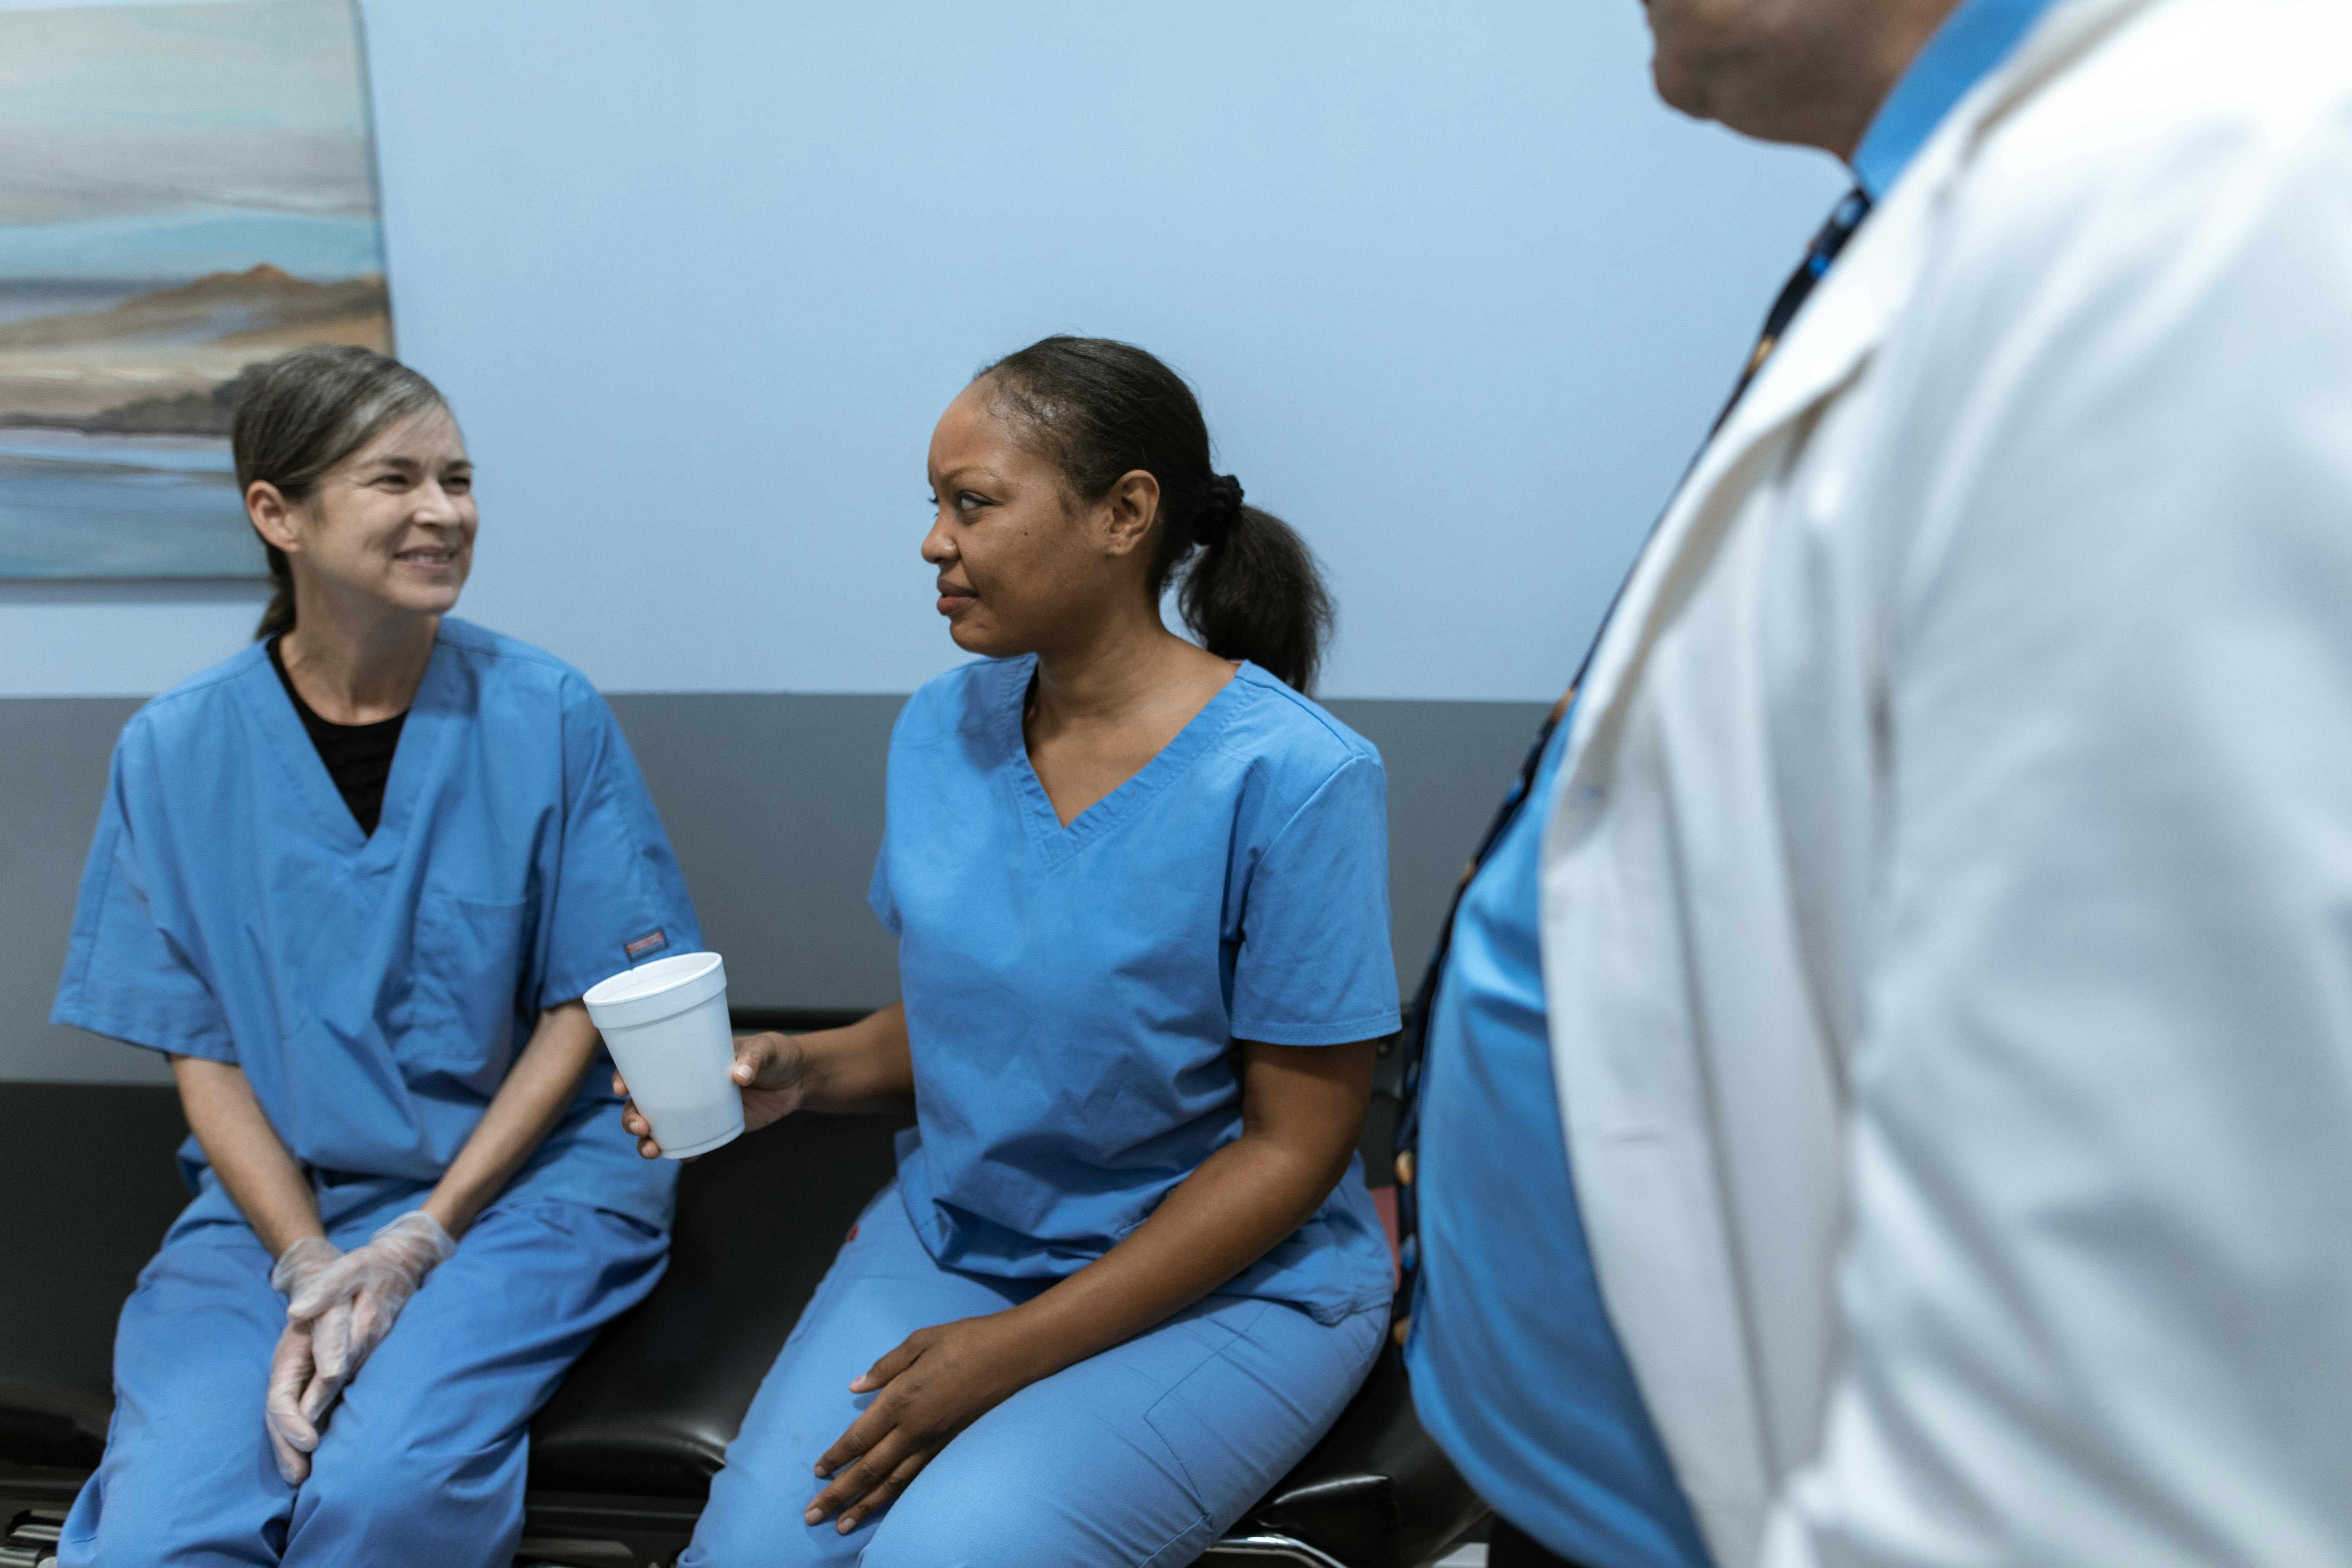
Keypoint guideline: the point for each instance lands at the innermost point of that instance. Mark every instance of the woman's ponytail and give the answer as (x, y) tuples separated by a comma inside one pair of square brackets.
[(1253, 593), (1250, 588), (277, 618)]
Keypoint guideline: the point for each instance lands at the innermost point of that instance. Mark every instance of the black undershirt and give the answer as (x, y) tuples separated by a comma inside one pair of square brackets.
[(358, 756)]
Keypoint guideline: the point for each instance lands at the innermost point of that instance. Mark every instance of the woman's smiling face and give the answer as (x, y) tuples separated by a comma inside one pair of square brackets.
[(1022, 565), (393, 523)]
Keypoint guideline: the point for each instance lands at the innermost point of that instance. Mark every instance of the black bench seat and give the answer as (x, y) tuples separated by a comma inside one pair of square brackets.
[(622, 1457)]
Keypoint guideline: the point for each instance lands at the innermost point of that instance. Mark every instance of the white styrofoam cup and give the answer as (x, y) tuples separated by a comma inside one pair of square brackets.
[(666, 1025)]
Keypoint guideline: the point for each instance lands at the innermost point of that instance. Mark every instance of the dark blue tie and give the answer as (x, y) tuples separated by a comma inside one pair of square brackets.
[(1413, 1041)]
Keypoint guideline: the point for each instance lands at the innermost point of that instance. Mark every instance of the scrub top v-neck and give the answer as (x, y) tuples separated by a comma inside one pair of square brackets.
[(358, 757), (375, 988), (1074, 994)]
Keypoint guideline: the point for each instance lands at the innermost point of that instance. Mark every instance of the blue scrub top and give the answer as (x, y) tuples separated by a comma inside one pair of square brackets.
[(1516, 1368), (1074, 994), (376, 989)]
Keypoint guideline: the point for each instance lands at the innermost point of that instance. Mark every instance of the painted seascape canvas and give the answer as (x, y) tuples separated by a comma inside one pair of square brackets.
[(186, 189)]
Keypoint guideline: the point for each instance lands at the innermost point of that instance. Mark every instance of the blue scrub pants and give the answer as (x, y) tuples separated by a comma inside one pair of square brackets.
[(422, 1460), (1142, 1455)]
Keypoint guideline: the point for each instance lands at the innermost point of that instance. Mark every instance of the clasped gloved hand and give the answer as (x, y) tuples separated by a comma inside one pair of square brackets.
[(292, 1420), (345, 1309)]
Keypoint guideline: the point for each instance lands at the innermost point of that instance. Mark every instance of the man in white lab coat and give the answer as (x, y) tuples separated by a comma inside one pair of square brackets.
[(1947, 902)]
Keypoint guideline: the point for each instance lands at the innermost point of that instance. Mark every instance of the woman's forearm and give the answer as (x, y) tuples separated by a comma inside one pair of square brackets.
[(1305, 1110), (1222, 1218), (261, 1174), (520, 1115), (864, 1066)]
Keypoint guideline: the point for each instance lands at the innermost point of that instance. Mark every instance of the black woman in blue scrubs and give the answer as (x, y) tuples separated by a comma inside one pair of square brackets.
[(1129, 1271)]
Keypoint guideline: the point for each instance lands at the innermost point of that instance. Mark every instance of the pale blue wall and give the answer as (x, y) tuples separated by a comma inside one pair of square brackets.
[(1459, 294)]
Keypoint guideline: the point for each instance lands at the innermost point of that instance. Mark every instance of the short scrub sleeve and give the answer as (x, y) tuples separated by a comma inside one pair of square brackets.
[(617, 897), (125, 976), (1315, 967)]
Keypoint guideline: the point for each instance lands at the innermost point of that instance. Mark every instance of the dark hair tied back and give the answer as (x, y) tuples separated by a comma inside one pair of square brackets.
[(299, 416), (1100, 409), (1218, 513)]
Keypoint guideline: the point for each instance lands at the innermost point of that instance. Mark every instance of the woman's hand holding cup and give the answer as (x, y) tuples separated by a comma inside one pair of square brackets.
[(664, 1023), (770, 1072)]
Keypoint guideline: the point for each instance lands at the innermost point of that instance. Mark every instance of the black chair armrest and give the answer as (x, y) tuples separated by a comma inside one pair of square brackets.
[(1377, 1492)]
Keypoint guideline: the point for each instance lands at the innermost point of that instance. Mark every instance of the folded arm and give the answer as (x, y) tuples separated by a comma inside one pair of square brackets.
[(272, 1192), (343, 1304), (520, 1115), (245, 1151)]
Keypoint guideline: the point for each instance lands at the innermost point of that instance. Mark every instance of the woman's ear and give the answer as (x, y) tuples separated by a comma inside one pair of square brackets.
[(1129, 508), (273, 516)]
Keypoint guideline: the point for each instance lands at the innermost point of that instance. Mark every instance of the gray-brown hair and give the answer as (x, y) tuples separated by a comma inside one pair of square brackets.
[(298, 415)]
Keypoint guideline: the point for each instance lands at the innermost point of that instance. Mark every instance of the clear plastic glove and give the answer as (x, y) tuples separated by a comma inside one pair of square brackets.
[(348, 1308), (330, 1335), (292, 1432), (291, 1416)]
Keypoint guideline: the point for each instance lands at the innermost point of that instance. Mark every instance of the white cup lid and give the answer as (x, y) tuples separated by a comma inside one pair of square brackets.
[(656, 990)]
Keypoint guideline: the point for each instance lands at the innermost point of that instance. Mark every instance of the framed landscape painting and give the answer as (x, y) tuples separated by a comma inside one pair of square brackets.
[(185, 190)]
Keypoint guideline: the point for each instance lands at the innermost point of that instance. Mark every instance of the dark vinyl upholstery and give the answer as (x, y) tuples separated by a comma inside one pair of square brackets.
[(650, 1409), (641, 1423), (90, 1187)]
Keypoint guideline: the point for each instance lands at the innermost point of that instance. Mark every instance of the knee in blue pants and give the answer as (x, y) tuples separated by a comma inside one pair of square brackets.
[(423, 1461), (1139, 1455)]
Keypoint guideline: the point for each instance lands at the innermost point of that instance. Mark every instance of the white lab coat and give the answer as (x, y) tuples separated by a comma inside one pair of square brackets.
[(1947, 914)]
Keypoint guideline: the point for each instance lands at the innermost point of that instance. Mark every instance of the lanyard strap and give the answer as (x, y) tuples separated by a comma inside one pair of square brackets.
[(1413, 1040)]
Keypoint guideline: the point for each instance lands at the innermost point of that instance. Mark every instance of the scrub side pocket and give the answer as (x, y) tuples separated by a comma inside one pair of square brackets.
[(468, 960), (1272, 1383)]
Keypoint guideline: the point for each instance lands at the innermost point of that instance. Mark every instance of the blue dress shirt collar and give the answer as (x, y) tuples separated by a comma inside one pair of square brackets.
[(1973, 41)]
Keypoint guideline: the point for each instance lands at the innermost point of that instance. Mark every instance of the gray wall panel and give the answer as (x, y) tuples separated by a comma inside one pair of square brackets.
[(1449, 765), (775, 805), (53, 754)]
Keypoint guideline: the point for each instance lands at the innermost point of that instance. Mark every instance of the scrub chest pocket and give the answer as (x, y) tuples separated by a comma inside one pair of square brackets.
[(468, 967)]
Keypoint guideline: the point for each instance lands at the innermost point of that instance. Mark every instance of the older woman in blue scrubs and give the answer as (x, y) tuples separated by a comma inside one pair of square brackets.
[(1128, 1271), (352, 881)]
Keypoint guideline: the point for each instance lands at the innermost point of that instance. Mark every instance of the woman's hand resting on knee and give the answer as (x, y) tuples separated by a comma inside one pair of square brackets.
[(937, 1383), (1302, 1108)]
